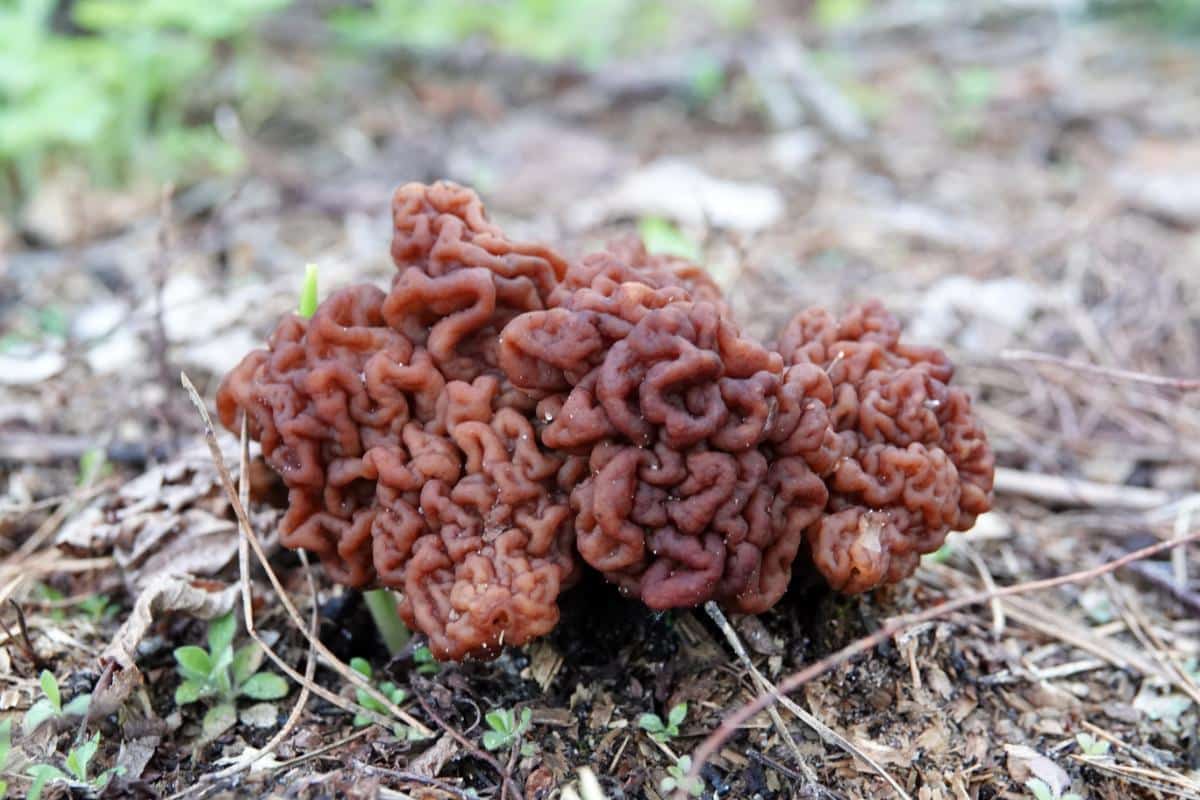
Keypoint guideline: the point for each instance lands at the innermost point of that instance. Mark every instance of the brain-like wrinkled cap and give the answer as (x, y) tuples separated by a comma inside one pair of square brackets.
[(912, 463), (686, 499), (410, 461), (500, 419)]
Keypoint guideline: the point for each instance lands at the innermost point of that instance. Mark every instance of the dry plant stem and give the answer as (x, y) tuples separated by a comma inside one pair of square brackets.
[(326, 655), (810, 776), (1057, 489), (248, 610), (1144, 633), (1188, 599), (714, 611), (895, 625), (506, 780), (412, 777), (1178, 384), (827, 734)]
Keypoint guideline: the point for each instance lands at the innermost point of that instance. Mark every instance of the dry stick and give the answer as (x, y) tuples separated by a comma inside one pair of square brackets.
[(714, 611), (1144, 633), (1058, 489), (729, 726), (810, 777), (1179, 384), (310, 665), (412, 777), (327, 656), (1189, 599), (506, 780), (829, 735)]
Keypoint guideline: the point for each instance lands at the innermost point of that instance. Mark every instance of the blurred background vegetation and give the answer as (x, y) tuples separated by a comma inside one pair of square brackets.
[(134, 89)]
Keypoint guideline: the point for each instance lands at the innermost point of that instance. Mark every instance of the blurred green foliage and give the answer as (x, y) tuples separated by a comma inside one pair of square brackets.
[(1173, 17), (110, 85), (589, 32), (128, 88)]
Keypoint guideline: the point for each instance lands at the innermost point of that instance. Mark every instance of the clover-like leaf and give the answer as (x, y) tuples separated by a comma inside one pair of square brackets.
[(220, 634), (362, 667), (676, 715), (247, 660), (80, 757), (265, 686), (194, 662), (5, 744), (651, 723), (37, 714), (1040, 789), (217, 720), (50, 689), (189, 692), (500, 720), (494, 740), (43, 774)]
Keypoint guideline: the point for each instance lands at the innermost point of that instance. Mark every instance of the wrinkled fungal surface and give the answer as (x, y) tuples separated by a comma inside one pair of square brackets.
[(410, 460), (500, 419), (911, 462)]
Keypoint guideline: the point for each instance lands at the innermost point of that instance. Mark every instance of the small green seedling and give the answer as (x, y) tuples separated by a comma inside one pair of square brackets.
[(677, 778), (426, 663), (505, 729), (50, 706), (389, 690), (662, 236), (97, 608), (78, 761), (1091, 746), (93, 465), (224, 674), (308, 294), (660, 731), (5, 749), (1043, 791)]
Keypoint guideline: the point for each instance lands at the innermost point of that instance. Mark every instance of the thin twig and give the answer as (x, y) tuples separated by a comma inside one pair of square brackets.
[(810, 775), (827, 734), (506, 778), (1075, 491), (1112, 373), (353, 677), (310, 665), (895, 625)]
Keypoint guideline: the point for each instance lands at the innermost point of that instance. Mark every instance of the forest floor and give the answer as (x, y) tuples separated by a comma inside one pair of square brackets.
[(1009, 184)]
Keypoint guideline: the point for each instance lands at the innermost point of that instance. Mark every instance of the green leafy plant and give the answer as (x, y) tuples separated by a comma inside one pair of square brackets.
[(1091, 746), (97, 607), (426, 663), (391, 691), (78, 764), (1044, 791), (224, 674), (117, 94), (677, 778), (505, 727), (50, 705), (589, 32), (662, 236), (662, 731), (5, 751)]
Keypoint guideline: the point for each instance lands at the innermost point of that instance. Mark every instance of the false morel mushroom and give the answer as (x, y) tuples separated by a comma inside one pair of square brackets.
[(501, 419)]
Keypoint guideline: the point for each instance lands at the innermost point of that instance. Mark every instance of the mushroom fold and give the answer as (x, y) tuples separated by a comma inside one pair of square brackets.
[(501, 419)]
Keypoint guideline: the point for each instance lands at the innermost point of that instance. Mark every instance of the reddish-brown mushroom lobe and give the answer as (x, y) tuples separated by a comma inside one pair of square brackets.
[(687, 499), (498, 417), (410, 460), (910, 461)]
